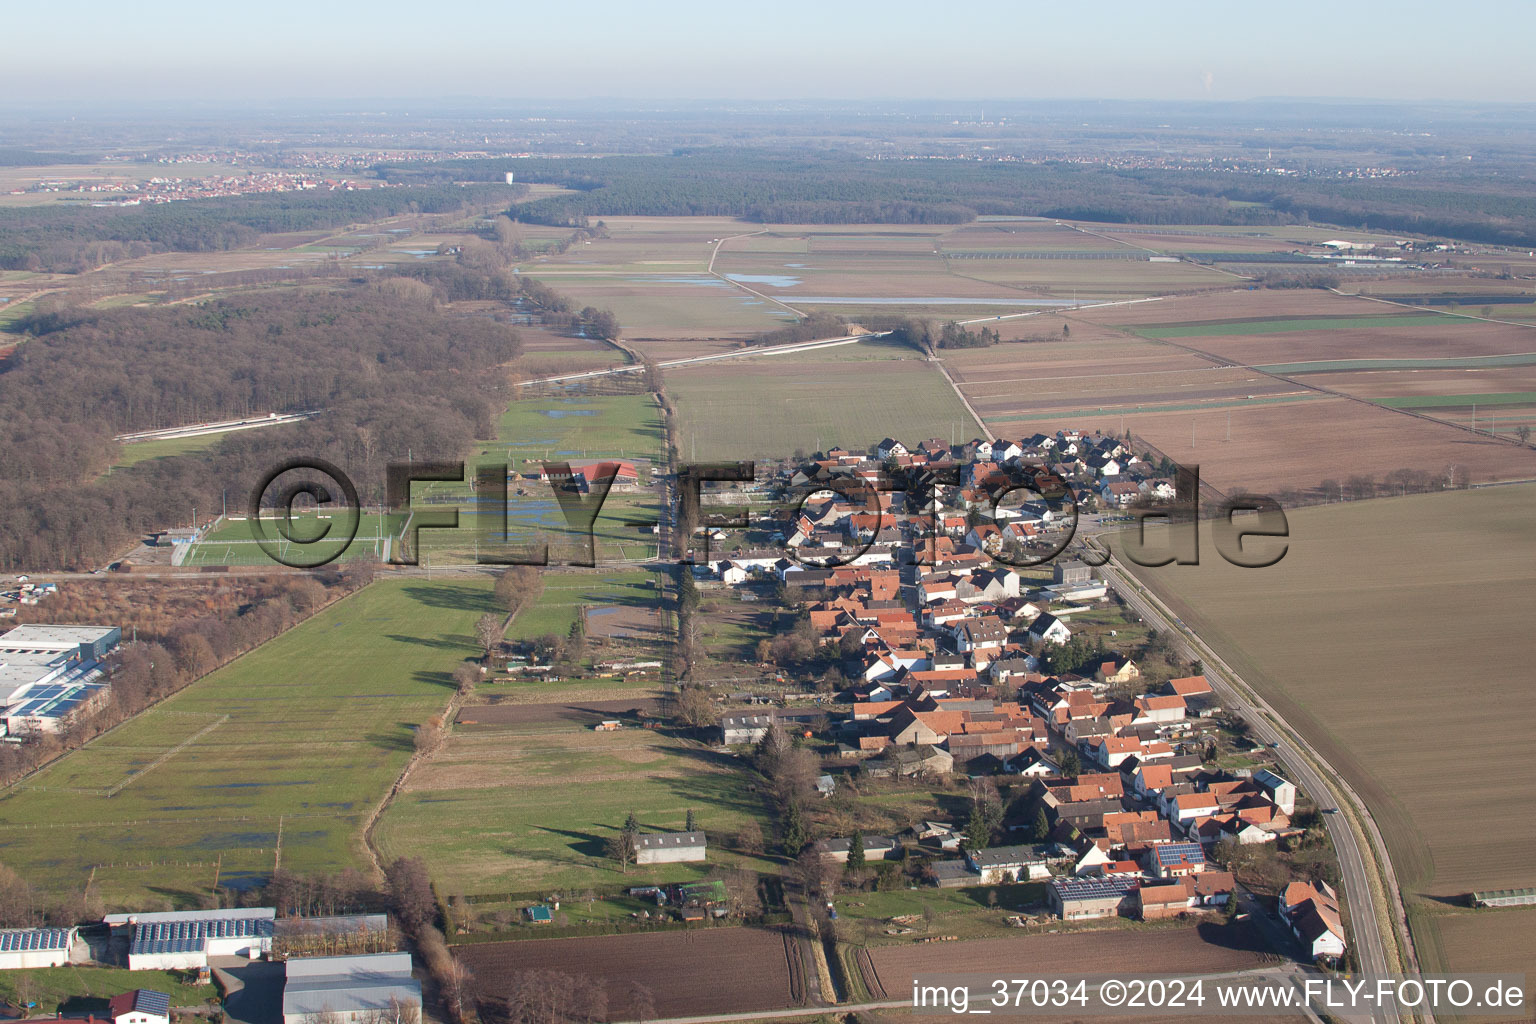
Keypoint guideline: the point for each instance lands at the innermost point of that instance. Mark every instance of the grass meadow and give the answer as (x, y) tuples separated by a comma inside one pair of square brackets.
[(308, 730), (529, 808)]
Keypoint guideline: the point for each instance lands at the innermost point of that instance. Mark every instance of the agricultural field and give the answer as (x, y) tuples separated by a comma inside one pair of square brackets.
[(1353, 637), (1202, 379), (529, 808), (770, 407), (1461, 939), (301, 736), (694, 972)]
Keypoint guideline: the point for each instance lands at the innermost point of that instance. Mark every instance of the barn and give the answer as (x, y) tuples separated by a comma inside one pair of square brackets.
[(670, 847), (372, 987), (35, 947), (185, 940)]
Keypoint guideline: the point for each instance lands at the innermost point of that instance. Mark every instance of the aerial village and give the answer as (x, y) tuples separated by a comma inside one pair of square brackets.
[(1127, 794)]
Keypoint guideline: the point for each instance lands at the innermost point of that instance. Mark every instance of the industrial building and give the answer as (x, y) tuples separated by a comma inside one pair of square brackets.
[(185, 940), (351, 988), (48, 673), (35, 947)]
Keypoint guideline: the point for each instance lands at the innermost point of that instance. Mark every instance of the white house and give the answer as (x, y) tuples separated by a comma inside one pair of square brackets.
[(1282, 792), (730, 572), (1049, 629), (141, 1006), (1313, 913)]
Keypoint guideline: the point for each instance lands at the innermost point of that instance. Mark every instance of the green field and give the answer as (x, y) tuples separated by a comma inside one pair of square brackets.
[(1451, 363), (1387, 636), (527, 809), (1237, 328), (310, 728), (142, 451), (768, 408), (1458, 401), (532, 430), (565, 593)]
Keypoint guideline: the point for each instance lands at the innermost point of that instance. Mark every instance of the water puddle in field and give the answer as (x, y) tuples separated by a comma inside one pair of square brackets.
[(704, 282), (560, 414), (770, 280)]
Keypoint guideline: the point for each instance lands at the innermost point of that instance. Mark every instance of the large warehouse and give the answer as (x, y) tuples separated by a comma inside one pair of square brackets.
[(343, 989), (35, 947), (48, 673), (185, 940)]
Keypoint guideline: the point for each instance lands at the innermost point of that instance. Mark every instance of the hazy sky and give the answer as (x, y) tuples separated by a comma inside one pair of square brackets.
[(777, 49)]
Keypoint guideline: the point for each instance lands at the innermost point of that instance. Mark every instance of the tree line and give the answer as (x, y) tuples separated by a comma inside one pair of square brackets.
[(72, 239), (389, 375)]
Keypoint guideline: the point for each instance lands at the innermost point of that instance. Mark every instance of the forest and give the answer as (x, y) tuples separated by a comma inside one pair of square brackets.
[(387, 372), (71, 239), (833, 187)]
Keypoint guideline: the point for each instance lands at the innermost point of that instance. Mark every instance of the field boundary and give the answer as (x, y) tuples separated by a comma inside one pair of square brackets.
[(157, 762)]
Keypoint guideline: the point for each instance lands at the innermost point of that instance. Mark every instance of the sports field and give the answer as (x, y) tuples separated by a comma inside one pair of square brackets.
[(768, 408), (302, 737), (1387, 635)]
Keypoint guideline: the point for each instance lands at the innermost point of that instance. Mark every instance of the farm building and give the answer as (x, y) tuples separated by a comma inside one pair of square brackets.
[(744, 727), (141, 1006), (47, 673), (1070, 572), (1082, 898), (35, 947), (349, 988), (875, 848), (185, 940), (1009, 863), (1505, 898), (670, 847)]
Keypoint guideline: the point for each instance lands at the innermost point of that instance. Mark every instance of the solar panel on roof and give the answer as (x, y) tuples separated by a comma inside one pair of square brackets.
[(20, 939), (149, 1001)]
